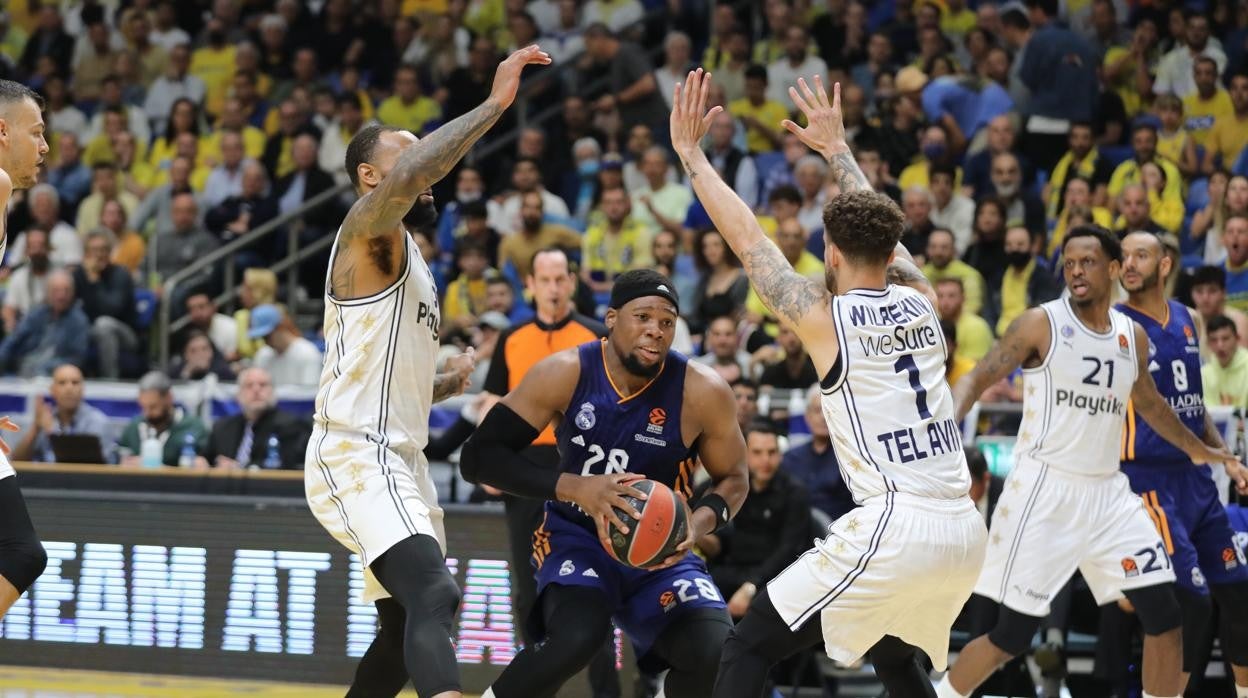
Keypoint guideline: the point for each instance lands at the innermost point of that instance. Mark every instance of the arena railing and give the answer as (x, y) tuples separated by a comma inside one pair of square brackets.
[(297, 251)]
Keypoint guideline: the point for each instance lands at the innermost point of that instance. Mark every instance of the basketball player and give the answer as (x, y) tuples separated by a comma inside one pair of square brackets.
[(1066, 505), (628, 408), (22, 147), (895, 572), (1182, 498), (366, 478)]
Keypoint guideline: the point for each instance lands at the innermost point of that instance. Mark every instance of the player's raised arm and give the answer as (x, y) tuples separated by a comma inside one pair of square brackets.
[(802, 303), (379, 212), (825, 134), (492, 455), (1154, 408), (1026, 339)]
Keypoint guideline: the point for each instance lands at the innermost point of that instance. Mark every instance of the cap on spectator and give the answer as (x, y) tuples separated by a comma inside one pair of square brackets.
[(910, 79), (612, 161), (264, 319), (494, 319)]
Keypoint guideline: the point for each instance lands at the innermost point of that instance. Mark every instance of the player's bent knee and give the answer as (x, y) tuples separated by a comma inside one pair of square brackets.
[(1233, 612), (22, 560), (1157, 607), (1196, 609), (1014, 631)]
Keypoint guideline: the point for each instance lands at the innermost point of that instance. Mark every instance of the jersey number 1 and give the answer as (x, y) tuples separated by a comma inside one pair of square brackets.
[(906, 363)]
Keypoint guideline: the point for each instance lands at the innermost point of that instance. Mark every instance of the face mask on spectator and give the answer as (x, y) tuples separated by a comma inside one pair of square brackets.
[(588, 168), (1007, 189), (1018, 260)]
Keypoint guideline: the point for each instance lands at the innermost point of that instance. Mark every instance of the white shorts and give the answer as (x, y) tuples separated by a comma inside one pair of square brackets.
[(899, 565), (369, 497), (1050, 522), (6, 469)]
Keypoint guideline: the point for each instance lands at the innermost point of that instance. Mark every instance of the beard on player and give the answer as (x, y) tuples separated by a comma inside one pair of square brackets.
[(1137, 280), (423, 216), (637, 367)]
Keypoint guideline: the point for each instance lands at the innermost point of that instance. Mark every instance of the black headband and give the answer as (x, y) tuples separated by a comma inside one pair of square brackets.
[(623, 292)]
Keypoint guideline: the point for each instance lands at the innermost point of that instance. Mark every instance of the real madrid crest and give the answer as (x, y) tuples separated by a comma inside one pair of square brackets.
[(585, 418)]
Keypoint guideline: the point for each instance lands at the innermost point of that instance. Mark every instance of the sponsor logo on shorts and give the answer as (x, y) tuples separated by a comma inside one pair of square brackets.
[(667, 600), (590, 573), (1198, 577), (658, 417), (585, 419), (1129, 568), (1230, 558), (1032, 593), (566, 568)]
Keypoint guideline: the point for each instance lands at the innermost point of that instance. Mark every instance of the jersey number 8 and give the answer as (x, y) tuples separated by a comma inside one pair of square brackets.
[(1178, 370), (616, 458)]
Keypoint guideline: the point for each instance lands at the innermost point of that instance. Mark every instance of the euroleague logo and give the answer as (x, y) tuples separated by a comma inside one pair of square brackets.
[(658, 417), (667, 600), (1129, 568)]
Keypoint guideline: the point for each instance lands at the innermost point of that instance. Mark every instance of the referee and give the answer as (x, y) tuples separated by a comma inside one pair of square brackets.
[(555, 326)]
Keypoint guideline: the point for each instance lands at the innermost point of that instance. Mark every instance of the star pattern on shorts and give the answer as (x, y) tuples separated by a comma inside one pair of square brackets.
[(343, 447), (851, 525), (1003, 511), (1024, 436), (366, 348), (822, 563), (367, 322), (1031, 390), (1015, 485), (996, 539), (356, 374), (1029, 414)]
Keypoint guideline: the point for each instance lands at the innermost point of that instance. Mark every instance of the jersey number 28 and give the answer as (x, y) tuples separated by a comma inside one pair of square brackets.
[(616, 458)]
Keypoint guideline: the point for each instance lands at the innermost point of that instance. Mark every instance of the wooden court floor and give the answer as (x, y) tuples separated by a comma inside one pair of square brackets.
[(18, 682)]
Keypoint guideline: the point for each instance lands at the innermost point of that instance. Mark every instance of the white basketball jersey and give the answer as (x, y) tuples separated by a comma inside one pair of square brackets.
[(1075, 401), (380, 354), (888, 405)]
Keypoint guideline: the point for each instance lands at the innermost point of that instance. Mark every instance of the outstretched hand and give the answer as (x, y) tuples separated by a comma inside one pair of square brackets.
[(507, 76), (6, 424), (825, 130), (690, 118)]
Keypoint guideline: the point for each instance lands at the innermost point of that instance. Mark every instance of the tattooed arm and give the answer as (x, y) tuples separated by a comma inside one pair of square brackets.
[(803, 304), (455, 375), (378, 213), (1026, 340)]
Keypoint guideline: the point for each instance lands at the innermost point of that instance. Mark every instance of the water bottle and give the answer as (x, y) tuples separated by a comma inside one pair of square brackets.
[(273, 458), (186, 459), (1241, 444), (151, 452)]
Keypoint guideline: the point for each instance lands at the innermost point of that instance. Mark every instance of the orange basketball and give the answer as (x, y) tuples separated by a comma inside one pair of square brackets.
[(654, 537)]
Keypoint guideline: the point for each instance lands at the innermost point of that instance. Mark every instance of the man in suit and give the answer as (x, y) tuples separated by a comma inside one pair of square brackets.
[(242, 440)]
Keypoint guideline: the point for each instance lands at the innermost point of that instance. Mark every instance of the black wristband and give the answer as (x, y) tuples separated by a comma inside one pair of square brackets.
[(717, 504)]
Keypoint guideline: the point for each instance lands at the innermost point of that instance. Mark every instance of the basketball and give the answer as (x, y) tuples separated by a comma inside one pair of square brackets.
[(654, 537)]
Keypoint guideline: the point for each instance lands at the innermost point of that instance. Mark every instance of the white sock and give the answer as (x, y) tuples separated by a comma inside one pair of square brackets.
[(1241, 691), (489, 693), (946, 690)]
